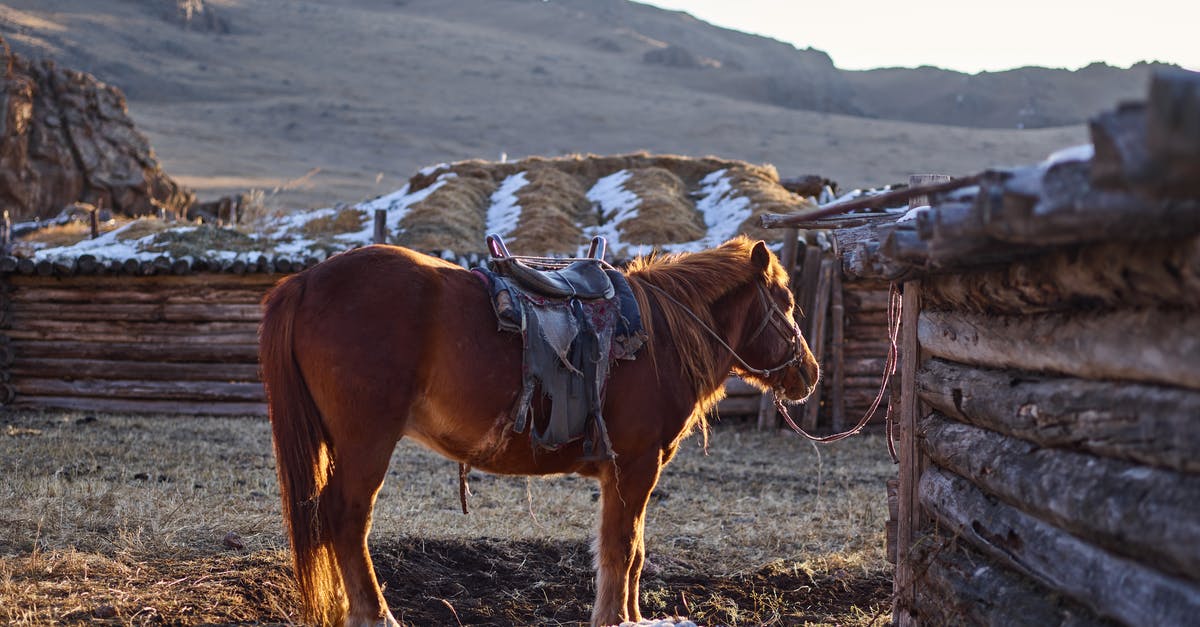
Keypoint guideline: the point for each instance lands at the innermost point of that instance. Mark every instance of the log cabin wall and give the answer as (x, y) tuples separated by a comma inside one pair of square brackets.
[(125, 343), (1050, 382)]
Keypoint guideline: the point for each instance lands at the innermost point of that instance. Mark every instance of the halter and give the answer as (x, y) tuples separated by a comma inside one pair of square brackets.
[(774, 317)]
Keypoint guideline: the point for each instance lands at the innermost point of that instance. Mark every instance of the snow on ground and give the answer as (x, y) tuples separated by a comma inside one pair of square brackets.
[(718, 201), (505, 211)]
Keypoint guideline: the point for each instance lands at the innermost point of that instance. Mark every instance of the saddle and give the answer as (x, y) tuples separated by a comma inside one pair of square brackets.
[(575, 317)]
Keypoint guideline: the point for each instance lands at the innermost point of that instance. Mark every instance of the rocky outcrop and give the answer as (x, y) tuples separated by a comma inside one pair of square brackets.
[(67, 137)]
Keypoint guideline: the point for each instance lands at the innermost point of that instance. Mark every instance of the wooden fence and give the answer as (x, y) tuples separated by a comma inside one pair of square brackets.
[(1050, 381)]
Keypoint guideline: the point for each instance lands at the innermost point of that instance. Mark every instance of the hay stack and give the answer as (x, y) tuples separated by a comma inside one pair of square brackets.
[(554, 208), (761, 185), (453, 217), (665, 213)]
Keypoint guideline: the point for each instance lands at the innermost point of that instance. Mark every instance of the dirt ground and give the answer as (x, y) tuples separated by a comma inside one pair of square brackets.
[(109, 519)]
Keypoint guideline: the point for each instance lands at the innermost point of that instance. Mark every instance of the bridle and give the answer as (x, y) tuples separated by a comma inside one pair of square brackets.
[(787, 327), (774, 317)]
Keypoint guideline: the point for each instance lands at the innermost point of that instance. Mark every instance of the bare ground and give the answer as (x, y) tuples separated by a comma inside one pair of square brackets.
[(169, 520)]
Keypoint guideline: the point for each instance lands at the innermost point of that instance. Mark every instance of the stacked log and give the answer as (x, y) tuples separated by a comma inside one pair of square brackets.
[(155, 344), (1049, 388)]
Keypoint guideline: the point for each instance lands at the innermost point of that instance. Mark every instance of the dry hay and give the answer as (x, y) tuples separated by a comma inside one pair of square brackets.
[(453, 217), (554, 205), (665, 213), (343, 220), (199, 241)]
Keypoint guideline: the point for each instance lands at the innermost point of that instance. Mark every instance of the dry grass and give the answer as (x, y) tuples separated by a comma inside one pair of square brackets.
[(200, 240), (761, 185), (63, 235), (344, 220), (124, 519), (453, 217), (554, 207)]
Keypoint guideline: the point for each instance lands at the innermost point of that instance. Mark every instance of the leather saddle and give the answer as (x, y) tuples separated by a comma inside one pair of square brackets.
[(585, 279)]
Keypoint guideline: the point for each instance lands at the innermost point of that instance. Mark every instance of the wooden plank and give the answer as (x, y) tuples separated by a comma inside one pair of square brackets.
[(908, 522), (818, 323), (806, 295), (131, 369), (958, 585), (165, 390), (246, 353), (1149, 424), (738, 406), (140, 312), (156, 332), (1144, 514), (129, 294), (837, 314), (1173, 132), (208, 280), (1152, 346), (1109, 585), (143, 406)]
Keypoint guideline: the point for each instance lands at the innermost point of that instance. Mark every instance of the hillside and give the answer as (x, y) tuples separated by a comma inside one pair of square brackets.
[(318, 102)]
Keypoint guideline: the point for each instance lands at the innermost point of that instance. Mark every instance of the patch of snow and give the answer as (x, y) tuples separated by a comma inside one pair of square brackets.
[(617, 205), (911, 214), (723, 210), (505, 211), (427, 170), (1082, 152)]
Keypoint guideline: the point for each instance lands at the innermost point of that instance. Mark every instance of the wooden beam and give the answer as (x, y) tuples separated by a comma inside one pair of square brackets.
[(1144, 514), (246, 353), (1157, 273), (165, 390), (1149, 424), (142, 406), (1130, 592), (908, 523), (1151, 346), (816, 337), (130, 369)]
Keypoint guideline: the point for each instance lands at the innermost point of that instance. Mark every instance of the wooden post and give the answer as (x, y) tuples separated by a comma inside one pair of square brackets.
[(380, 226), (5, 232), (904, 593), (917, 180), (767, 418), (837, 363), (816, 339), (94, 222)]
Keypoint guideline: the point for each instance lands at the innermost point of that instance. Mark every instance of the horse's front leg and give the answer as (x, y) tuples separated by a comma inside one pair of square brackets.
[(620, 546)]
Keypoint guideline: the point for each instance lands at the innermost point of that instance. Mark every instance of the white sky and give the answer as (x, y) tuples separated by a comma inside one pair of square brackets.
[(968, 36)]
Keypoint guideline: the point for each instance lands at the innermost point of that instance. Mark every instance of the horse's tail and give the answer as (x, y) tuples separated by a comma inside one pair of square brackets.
[(303, 456)]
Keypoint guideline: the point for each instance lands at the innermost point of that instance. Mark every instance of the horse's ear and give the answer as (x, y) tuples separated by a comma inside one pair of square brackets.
[(760, 256)]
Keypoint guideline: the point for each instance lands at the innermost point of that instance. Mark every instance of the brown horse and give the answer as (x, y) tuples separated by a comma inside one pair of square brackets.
[(381, 343)]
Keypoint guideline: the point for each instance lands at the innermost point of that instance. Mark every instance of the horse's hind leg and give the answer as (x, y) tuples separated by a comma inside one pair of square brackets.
[(624, 494), (347, 503)]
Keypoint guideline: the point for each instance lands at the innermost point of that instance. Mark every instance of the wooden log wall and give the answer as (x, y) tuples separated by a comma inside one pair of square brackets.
[(155, 344)]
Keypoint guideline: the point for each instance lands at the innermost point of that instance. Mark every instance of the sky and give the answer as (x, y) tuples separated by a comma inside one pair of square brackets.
[(968, 36)]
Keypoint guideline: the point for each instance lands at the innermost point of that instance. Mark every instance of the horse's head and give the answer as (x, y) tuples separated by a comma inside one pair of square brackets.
[(772, 345)]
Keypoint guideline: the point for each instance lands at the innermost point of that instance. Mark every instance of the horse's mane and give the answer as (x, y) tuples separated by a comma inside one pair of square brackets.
[(697, 280)]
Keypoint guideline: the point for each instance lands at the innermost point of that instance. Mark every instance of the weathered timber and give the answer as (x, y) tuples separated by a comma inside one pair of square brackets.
[(119, 388), (1109, 585), (1150, 424), (124, 283), (1058, 206), (810, 275), (1119, 143), (816, 336), (136, 370), (865, 366), (861, 299), (1120, 274), (165, 341), (70, 295), (958, 585), (1145, 514), (141, 312), (877, 201), (902, 243), (1173, 132), (837, 347), (144, 406), (220, 332), (1150, 345), (860, 253), (113, 350), (909, 453)]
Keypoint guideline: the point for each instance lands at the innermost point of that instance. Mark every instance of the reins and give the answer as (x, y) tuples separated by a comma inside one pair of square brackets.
[(894, 309)]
